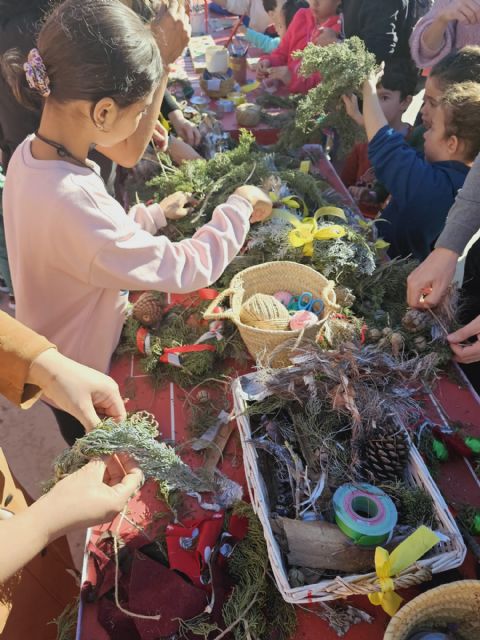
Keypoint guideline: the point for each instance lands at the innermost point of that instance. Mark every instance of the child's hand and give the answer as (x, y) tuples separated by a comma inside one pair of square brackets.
[(351, 107), (376, 75), (177, 205), (263, 67), (92, 495), (260, 201), (325, 36), (160, 137), (280, 73)]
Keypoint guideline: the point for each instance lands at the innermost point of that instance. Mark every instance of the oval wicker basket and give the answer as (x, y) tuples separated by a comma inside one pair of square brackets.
[(271, 277), (456, 604), (226, 86), (448, 554)]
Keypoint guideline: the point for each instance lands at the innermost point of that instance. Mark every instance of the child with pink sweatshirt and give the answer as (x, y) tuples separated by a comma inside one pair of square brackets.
[(72, 249)]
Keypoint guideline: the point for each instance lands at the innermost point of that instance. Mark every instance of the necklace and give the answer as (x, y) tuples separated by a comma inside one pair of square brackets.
[(63, 152)]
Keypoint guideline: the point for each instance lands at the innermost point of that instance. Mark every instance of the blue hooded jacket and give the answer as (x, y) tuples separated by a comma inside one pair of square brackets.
[(421, 193)]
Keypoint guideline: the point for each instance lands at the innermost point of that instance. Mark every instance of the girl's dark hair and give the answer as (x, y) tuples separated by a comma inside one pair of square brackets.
[(458, 66), (291, 7), (91, 49)]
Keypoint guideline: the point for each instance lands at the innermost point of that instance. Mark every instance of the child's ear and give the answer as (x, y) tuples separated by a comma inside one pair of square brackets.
[(454, 145), (104, 114)]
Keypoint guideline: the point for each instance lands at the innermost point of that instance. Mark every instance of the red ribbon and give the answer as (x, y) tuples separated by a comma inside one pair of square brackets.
[(141, 336), (188, 348), (207, 294)]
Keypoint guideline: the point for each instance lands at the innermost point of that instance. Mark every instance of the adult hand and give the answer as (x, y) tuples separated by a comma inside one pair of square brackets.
[(160, 137), (427, 284), (171, 29), (263, 67), (280, 73), (177, 205), (352, 109), (185, 129), (260, 201), (92, 495), (79, 390), (464, 11), (466, 353), (179, 151)]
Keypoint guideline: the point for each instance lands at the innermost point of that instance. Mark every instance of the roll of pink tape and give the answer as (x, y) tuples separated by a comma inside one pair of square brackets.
[(303, 320)]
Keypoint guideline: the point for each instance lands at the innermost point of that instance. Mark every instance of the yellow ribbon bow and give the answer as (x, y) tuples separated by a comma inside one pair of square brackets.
[(306, 231), (388, 565)]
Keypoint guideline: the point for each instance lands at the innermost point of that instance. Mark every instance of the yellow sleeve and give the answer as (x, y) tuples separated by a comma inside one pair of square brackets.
[(19, 346)]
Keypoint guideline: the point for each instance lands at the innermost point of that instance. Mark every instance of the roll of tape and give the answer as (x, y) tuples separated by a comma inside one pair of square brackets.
[(227, 105), (364, 513)]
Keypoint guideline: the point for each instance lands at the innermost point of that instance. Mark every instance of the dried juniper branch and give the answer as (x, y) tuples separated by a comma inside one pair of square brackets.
[(135, 436)]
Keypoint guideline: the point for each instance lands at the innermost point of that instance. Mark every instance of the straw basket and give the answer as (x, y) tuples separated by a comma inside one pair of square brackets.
[(456, 604), (269, 278), (221, 91), (445, 555)]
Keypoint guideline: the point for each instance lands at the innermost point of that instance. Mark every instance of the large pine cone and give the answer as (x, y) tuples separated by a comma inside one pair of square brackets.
[(386, 454), (148, 309)]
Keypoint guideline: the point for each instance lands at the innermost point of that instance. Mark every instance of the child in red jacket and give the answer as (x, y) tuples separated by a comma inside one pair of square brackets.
[(321, 24)]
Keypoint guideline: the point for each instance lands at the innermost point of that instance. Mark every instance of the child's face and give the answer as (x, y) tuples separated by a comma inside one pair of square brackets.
[(393, 106), (437, 146), (278, 19), (433, 93), (121, 123), (323, 9)]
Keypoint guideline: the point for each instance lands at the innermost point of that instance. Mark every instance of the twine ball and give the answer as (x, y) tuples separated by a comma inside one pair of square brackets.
[(264, 312)]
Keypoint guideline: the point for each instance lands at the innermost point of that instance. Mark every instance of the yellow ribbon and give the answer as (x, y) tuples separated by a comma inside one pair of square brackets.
[(292, 202), (388, 565), (306, 231)]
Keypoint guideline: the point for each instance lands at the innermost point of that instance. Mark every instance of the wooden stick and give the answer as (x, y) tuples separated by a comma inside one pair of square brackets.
[(234, 30)]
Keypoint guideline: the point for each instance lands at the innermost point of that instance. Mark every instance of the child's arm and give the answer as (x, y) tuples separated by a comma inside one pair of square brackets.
[(262, 41), (132, 258), (373, 116)]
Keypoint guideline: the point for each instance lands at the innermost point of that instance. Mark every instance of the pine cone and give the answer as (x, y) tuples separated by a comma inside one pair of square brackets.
[(148, 309), (386, 454), (415, 320)]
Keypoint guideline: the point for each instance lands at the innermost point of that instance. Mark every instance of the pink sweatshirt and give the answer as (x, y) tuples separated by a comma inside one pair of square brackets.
[(72, 250), (456, 36)]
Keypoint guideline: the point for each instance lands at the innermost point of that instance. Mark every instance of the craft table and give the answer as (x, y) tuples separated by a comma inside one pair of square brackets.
[(184, 66), (169, 404), (457, 482)]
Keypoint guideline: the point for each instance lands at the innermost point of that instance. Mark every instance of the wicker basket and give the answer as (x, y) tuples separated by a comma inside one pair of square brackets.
[(271, 277), (456, 604), (447, 555), (226, 86)]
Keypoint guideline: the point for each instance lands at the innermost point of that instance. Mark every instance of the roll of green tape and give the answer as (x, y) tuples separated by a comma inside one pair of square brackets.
[(364, 513)]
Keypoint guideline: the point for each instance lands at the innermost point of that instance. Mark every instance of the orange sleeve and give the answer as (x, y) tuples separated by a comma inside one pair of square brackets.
[(19, 346)]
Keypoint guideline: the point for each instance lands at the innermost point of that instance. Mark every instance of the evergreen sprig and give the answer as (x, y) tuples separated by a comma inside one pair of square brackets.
[(136, 436), (344, 67)]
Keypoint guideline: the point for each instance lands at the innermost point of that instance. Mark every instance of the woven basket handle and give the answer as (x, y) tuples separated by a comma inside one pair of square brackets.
[(228, 314)]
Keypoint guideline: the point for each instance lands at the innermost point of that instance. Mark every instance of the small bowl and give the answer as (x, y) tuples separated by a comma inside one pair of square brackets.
[(200, 102)]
